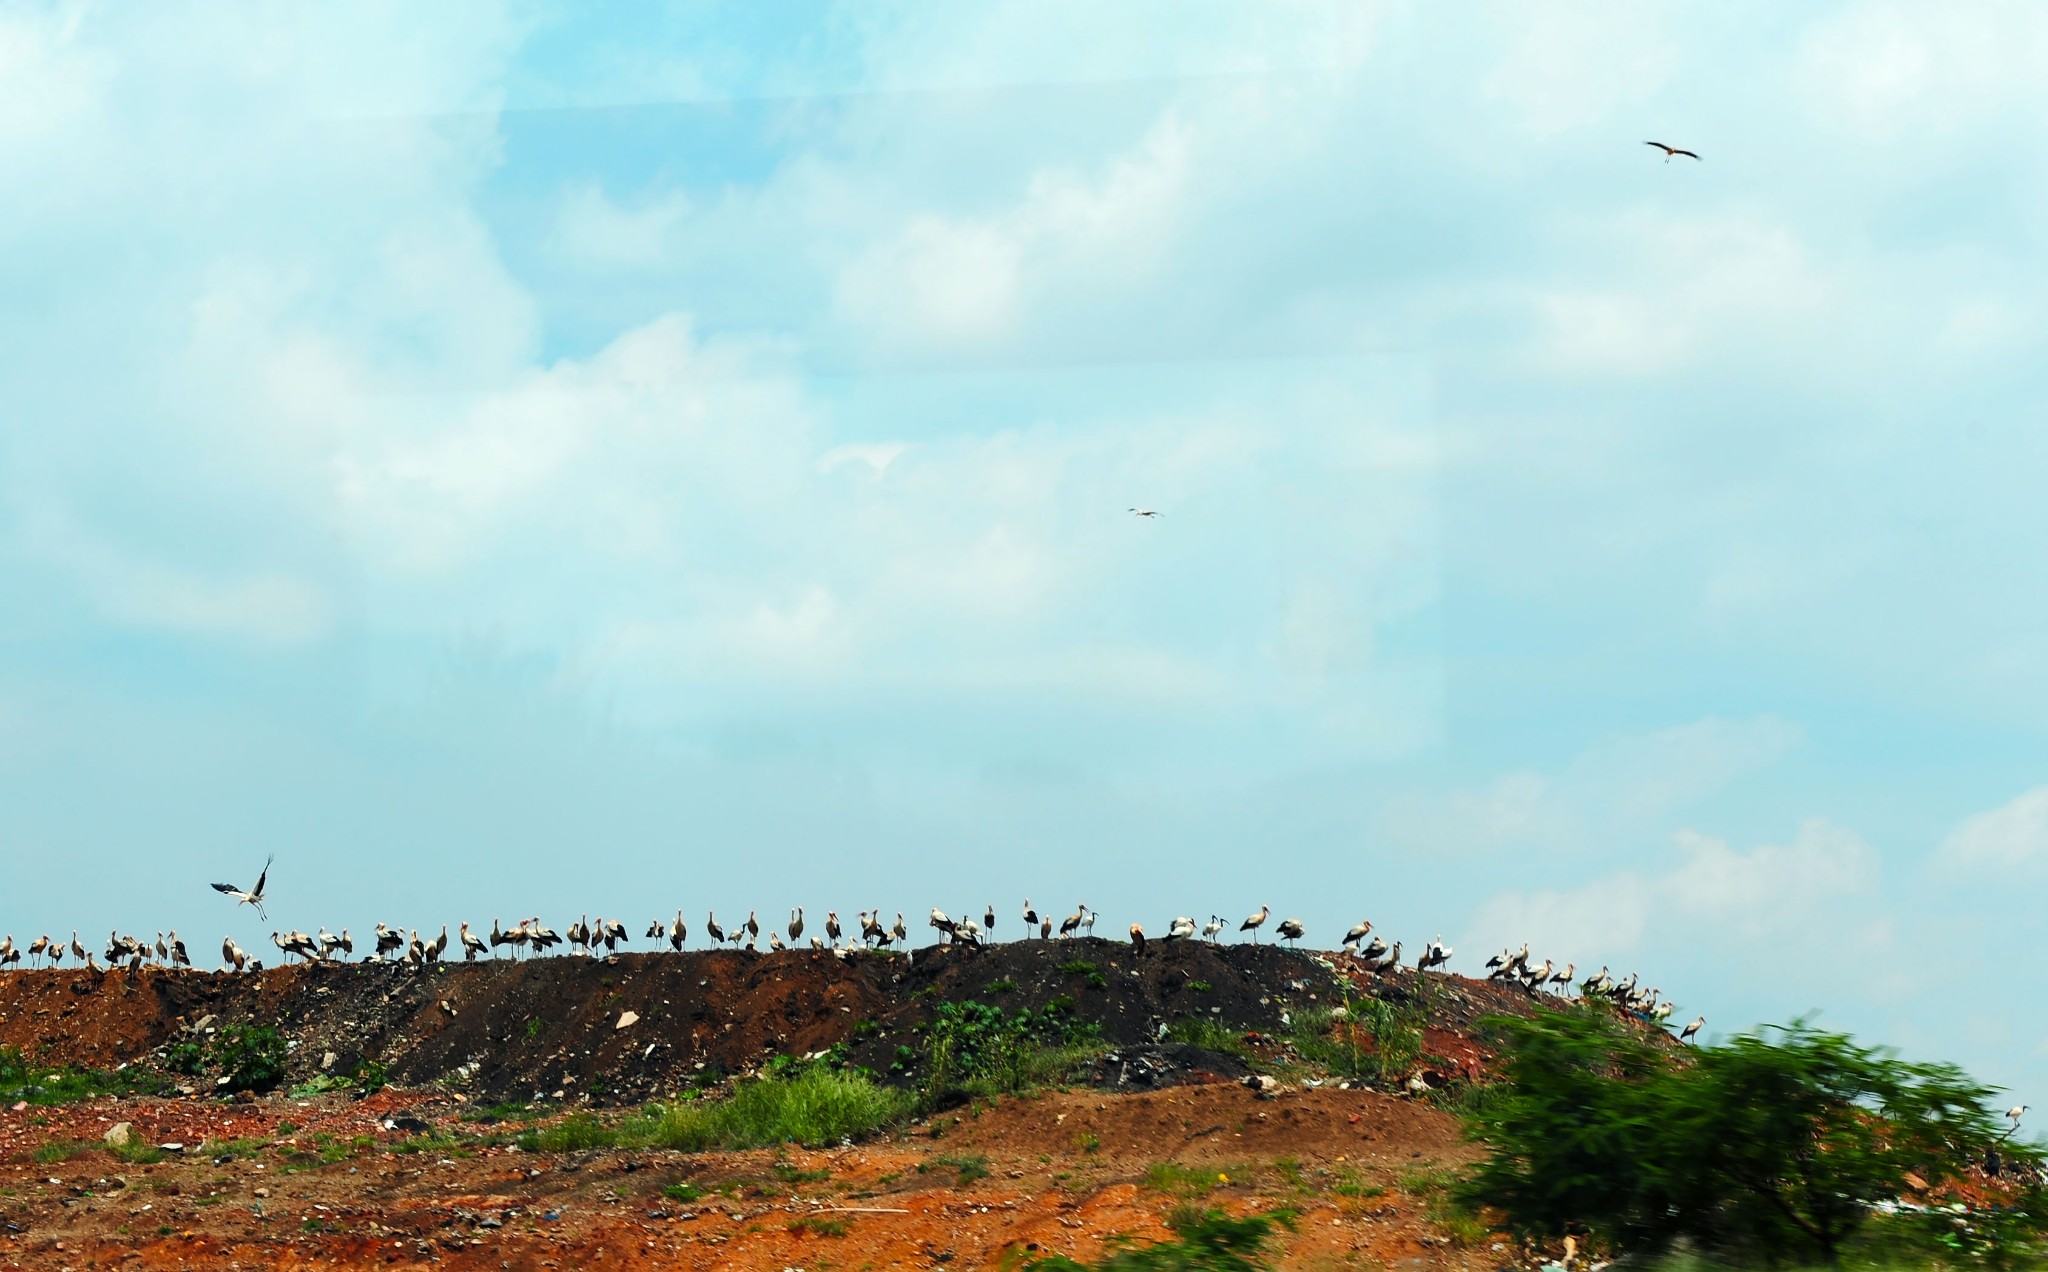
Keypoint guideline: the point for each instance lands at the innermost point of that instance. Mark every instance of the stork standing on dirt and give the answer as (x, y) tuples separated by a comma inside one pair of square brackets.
[(711, 928), (796, 925), (389, 942), (1137, 940), (254, 896), (1180, 929), (231, 955), (472, 944), (1072, 923), (1357, 934), (1213, 926), (1685, 1034), (900, 931), (1030, 918), (1289, 930), (1255, 922), (677, 933)]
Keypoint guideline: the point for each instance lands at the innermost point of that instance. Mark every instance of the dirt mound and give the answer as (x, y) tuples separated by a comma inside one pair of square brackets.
[(625, 1028)]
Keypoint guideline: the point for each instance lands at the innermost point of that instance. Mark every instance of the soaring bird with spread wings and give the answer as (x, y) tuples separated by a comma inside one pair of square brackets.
[(1671, 150), (253, 896)]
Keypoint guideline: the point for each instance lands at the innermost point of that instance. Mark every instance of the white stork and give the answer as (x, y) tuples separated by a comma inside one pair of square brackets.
[(1255, 922), (1685, 1034), (1289, 930), (1357, 934), (254, 896)]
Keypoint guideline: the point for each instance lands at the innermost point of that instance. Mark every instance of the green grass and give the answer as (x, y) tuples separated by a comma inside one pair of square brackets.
[(1351, 1184), (136, 1152), (1376, 1041), (818, 1226), (232, 1149), (1210, 1034), (1204, 1241), (790, 1174), (1191, 1181), (1434, 1188), (682, 1192), (61, 1084), (574, 1133), (59, 1151), (965, 1169), (815, 1108)]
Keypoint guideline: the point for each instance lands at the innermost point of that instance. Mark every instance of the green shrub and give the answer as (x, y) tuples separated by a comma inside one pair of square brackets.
[(1772, 1147), (982, 1050), (682, 1192)]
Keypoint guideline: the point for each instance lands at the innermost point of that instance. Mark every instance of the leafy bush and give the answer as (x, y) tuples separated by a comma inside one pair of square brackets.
[(982, 1050), (1774, 1148), (1205, 1241), (250, 1057)]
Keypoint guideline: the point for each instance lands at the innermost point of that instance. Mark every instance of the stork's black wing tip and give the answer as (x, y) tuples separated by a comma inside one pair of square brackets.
[(224, 887)]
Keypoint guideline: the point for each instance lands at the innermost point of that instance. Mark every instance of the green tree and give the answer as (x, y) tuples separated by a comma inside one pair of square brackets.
[(1769, 1147)]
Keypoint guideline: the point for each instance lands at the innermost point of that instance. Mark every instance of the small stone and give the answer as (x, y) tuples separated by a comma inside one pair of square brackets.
[(119, 1134), (328, 1061), (627, 1019)]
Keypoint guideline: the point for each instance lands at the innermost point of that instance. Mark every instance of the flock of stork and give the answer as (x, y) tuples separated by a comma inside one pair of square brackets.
[(587, 935)]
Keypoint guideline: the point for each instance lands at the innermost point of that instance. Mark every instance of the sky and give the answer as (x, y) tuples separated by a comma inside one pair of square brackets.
[(512, 459)]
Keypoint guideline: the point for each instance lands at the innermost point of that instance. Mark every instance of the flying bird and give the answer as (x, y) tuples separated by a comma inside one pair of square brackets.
[(253, 896), (1143, 512), (1671, 150)]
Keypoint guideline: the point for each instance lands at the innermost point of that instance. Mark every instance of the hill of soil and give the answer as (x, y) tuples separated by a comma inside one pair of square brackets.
[(550, 1028), (428, 1173)]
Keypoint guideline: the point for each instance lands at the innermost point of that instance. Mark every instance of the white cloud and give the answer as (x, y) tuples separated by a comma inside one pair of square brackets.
[(596, 232), (1800, 903), (1618, 790), (2012, 834), (971, 280)]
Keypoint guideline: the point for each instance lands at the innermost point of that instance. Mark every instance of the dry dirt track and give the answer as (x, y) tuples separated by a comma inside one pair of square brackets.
[(1064, 1171)]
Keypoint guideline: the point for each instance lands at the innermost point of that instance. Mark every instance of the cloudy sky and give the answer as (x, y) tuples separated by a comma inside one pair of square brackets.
[(503, 461)]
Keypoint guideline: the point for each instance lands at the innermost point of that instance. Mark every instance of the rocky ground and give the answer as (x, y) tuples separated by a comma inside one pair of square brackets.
[(430, 1170)]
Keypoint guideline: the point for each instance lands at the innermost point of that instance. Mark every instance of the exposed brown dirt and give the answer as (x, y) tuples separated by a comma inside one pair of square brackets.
[(326, 1181), (1064, 1172)]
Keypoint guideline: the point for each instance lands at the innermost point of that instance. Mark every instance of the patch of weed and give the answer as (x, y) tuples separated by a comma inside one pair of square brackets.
[(58, 1151), (61, 1084), (965, 1169), (1204, 1241)]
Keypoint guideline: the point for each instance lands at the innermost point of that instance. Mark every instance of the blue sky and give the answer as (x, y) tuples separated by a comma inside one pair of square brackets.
[(525, 459)]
